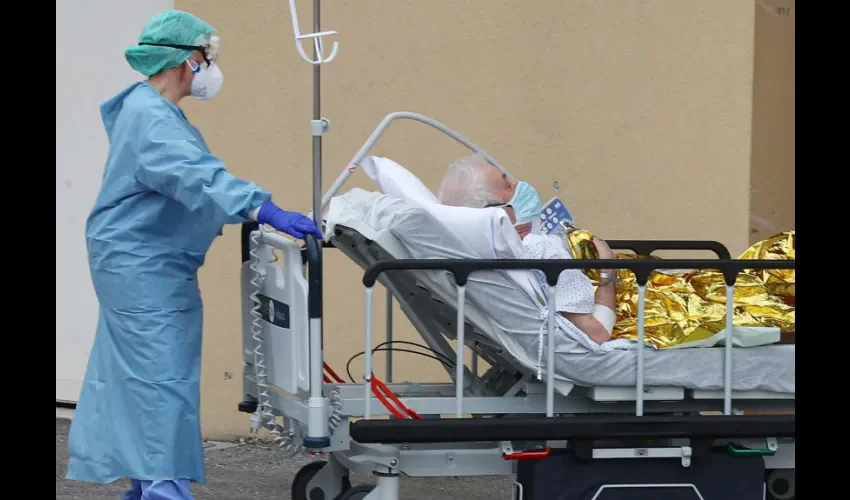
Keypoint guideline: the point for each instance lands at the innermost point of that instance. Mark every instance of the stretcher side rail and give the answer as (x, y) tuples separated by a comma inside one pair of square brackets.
[(480, 344), (439, 314), (494, 354), (505, 371), (639, 247), (422, 306), (462, 268), (552, 268)]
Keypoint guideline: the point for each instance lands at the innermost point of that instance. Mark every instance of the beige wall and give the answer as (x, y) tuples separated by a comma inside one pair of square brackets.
[(772, 176), (640, 110)]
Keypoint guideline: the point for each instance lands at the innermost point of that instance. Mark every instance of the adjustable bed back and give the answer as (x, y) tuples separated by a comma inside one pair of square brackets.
[(429, 313)]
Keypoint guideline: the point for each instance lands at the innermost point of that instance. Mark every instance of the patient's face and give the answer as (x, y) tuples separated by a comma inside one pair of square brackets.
[(502, 186), (501, 183)]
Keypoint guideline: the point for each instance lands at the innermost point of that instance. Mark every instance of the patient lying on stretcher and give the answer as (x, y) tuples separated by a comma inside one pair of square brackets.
[(680, 307)]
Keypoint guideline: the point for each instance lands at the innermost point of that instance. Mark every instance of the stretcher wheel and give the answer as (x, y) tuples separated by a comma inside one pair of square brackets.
[(357, 493), (302, 479)]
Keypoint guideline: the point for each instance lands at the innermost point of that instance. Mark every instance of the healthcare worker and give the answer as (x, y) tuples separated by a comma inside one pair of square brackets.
[(164, 199)]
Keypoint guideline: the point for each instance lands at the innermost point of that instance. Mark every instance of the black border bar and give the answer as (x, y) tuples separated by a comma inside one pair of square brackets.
[(578, 427)]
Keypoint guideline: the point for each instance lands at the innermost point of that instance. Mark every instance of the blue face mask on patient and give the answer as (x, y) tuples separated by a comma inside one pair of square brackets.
[(526, 204)]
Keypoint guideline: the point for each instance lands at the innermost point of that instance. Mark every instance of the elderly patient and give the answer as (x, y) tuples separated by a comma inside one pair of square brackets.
[(684, 306), (473, 182)]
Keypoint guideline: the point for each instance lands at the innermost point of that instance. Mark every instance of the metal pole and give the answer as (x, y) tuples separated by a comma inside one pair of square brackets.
[(367, 363), (389, 375), (641, 324), (550, 354), (317, 160), (317, 426), (317, 115), (727, 358), (459, 362)]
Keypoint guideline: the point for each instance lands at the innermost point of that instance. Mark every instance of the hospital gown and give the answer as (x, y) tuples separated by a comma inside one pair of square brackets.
[(574, 292), (164, 200)]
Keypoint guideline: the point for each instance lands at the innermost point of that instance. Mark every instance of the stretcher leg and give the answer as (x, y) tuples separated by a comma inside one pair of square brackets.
[(387, 487)]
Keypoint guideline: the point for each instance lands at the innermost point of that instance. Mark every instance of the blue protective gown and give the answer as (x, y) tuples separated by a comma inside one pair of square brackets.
[(163, 201)]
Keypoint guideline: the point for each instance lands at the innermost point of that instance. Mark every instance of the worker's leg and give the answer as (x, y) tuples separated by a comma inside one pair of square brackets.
[(135, 491), (166, 490)]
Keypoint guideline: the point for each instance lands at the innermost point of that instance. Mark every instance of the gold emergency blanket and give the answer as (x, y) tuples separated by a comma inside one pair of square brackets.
[(690, 305)]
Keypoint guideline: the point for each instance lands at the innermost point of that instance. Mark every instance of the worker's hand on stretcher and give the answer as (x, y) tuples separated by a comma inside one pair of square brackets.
[(292, 223)]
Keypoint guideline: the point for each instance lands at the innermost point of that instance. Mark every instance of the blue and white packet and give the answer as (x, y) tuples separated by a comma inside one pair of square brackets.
[(554, 212)]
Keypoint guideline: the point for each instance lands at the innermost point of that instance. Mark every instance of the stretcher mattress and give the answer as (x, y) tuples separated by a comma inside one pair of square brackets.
[(502, 307)]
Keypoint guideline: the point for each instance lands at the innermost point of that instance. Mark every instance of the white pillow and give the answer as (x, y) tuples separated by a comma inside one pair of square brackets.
[(488, 232), (395, 180)]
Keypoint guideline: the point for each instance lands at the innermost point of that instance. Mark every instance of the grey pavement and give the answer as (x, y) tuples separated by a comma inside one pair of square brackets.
[(253, 470)]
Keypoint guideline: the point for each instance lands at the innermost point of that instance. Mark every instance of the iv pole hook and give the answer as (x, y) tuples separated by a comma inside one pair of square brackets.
[(318, 42)]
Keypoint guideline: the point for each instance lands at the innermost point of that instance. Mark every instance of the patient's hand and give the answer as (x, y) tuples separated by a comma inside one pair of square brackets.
[(603, 249)]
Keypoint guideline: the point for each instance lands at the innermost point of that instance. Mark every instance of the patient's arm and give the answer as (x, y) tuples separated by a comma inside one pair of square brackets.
[(605, 295), (574, 294), (592, 327)]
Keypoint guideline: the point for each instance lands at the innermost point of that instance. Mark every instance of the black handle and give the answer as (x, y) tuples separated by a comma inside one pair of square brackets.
[(247, 229), (646, 247), (311, 253), (314, 263)]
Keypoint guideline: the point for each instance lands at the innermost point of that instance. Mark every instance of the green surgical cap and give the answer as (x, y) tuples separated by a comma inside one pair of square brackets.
[(171, 27)]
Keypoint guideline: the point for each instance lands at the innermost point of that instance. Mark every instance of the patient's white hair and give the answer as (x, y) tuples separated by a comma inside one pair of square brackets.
[(465, 184)]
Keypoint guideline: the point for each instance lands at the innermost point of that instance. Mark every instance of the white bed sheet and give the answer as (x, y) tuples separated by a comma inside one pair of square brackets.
[(512, 318)]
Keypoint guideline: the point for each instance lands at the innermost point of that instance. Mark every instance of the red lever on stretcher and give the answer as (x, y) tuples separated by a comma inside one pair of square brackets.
[(528, 455)]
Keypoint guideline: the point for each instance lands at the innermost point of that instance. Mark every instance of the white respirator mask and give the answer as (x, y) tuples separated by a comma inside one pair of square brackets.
[(207, 80)]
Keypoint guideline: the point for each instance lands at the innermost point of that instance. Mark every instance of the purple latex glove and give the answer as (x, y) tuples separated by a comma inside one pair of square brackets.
[(291, 223)]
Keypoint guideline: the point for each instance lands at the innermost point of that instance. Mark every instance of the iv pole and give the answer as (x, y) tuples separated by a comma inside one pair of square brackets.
[(317, 406)]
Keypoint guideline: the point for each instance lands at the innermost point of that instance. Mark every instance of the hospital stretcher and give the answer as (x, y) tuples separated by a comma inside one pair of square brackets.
[(485, 421)]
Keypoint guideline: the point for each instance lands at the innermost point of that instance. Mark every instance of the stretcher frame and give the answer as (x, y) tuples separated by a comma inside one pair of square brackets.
[(336, 419), (502, 415)]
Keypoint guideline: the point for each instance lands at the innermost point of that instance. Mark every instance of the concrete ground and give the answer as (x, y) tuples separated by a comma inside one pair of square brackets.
[(252, 470)]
